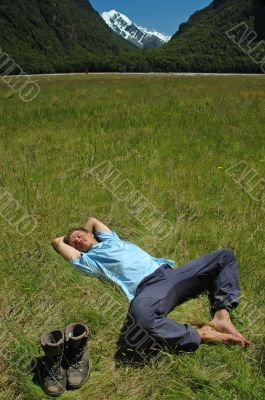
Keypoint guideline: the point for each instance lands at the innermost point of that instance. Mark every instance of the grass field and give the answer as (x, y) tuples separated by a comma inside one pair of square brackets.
[(176, 140)]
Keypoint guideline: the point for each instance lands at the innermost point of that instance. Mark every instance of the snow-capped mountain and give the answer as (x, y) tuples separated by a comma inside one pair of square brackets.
[(136, 34)]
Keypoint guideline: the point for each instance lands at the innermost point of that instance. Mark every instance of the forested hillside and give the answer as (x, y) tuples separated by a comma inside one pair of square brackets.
[(70, 35), (49, 36), (202, 44)]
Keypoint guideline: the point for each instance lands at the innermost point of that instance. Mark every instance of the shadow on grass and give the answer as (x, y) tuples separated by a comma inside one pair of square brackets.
[(136, 348), (36, 369)]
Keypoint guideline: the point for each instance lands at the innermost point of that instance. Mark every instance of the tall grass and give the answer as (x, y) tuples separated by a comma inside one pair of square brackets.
[(174, 138)]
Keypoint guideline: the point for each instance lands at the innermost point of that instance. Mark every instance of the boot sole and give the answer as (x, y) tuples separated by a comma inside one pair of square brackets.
[(54, 394)]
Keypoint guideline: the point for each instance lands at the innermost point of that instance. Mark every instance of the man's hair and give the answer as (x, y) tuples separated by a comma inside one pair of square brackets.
[(70, 231)]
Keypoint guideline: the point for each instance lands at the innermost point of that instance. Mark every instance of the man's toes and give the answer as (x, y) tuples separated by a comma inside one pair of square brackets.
[(247, 342), (229, 328), (236, 339), (239, 335)]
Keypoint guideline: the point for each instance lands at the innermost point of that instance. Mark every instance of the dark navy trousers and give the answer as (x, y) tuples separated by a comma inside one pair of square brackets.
[(160, 292)]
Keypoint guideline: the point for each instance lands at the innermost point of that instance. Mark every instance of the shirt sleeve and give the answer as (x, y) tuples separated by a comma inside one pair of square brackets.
[(85, 264), (164, 261), (107, 236)]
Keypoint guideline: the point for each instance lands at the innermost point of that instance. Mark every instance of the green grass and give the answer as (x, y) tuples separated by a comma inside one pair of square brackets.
[(173, 138)]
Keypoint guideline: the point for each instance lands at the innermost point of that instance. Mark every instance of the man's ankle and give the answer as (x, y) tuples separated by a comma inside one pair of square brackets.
[(222, 313)]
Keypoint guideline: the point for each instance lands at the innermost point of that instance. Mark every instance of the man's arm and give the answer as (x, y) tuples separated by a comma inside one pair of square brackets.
[(68, 252), (94, 225)]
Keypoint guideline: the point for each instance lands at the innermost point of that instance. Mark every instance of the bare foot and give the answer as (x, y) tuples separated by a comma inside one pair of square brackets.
[(221, 322), (208, 334)]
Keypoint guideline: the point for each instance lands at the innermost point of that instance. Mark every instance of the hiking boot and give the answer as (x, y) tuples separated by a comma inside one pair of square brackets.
[(76, 355), (51, 372)]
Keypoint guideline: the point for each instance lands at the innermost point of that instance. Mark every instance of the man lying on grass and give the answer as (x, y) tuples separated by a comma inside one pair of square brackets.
[(154, 287)]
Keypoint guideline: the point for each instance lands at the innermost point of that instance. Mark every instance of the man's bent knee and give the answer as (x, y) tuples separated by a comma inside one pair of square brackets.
[(228, 252), (142, 314)]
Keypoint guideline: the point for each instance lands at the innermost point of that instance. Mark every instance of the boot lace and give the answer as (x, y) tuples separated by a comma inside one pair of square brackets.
[(76, 359), (54, 368)]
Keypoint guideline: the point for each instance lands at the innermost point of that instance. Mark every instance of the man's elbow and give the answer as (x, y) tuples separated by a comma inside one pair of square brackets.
[(55, 243), (92, 220)]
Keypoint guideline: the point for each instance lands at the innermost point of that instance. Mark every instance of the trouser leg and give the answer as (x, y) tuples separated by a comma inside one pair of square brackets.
[(216, 273), (224, 291), (148, 315)]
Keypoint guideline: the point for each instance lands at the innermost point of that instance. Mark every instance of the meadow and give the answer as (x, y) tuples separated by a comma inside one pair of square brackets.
[(181, 142)]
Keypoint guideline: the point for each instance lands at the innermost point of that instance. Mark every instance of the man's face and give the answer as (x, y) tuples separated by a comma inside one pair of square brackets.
[(81, 241)]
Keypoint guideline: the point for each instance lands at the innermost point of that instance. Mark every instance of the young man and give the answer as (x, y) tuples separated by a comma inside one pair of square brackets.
[(154, 287)]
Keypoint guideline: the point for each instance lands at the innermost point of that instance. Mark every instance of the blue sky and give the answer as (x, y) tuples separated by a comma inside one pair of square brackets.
[(164, 16)]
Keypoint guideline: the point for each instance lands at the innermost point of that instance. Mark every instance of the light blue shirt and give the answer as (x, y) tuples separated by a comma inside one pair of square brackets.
[(120, 261)]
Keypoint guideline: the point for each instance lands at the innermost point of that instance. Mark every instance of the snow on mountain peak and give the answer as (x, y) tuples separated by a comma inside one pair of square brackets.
[(115, 14), (136, 34)]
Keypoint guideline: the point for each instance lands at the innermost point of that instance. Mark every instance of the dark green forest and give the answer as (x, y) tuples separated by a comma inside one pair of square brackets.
[(70, 36), (201, 44), (56, 36)]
